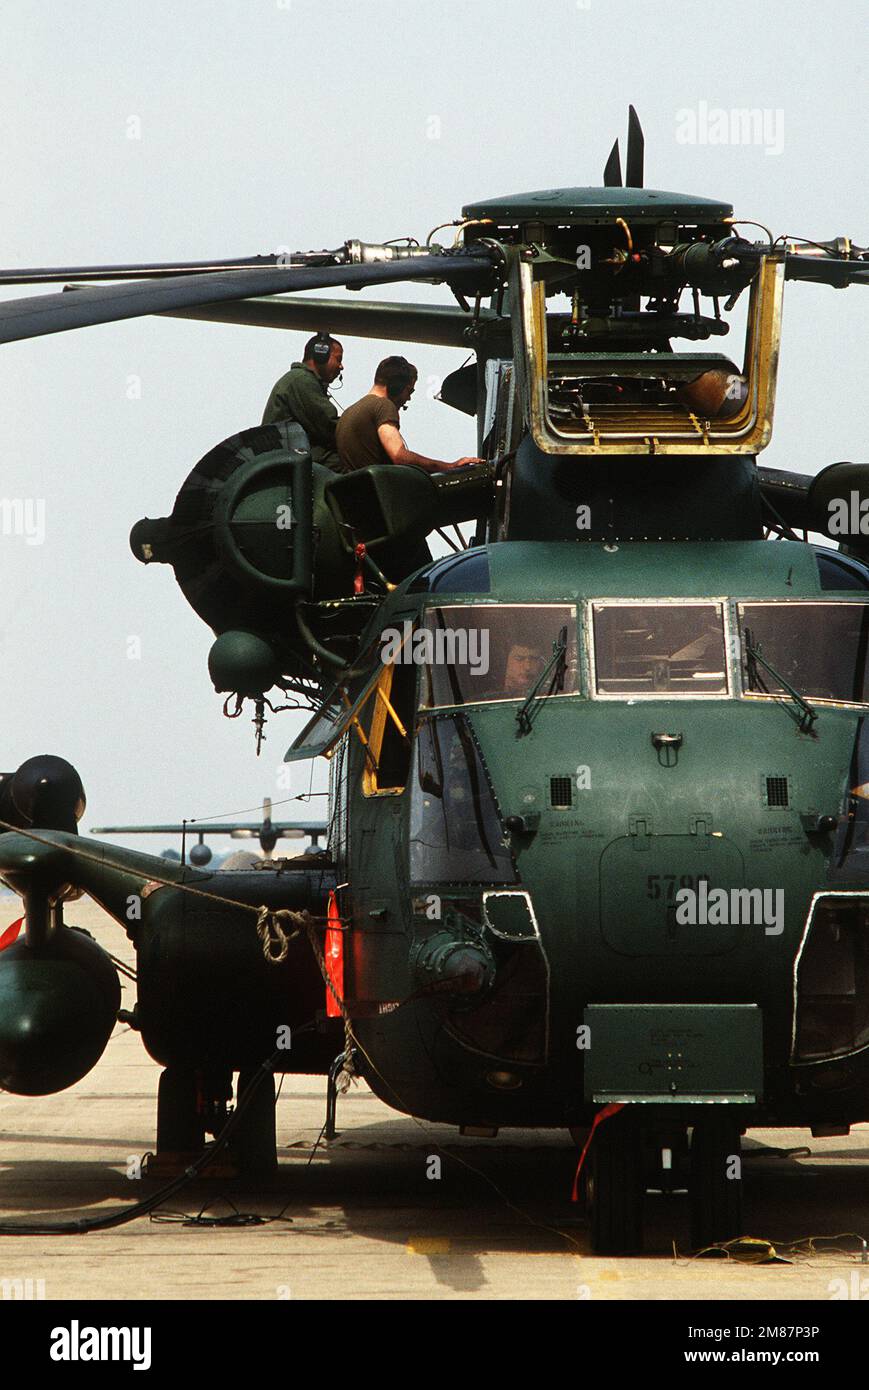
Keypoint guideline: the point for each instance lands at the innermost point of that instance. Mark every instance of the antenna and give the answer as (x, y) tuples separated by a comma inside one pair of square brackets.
[(636, 150), (612, 174)]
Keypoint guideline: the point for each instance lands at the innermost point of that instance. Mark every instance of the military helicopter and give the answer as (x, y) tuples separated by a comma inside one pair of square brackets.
[(598, 838)]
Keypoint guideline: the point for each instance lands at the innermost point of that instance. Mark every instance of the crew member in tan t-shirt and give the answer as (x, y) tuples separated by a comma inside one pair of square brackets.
[(368, 431)]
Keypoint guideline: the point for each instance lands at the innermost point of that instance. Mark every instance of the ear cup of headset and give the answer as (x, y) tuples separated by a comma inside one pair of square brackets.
[(322, 349)]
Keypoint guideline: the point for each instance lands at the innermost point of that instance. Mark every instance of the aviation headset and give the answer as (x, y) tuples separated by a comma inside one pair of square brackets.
[(398, 373), (322, 349)]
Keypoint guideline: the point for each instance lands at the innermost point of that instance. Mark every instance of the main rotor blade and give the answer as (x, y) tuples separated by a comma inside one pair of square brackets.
[(56, 313), (636, 150), (612, 174), (47, 275), (839, 272), (444, 326)]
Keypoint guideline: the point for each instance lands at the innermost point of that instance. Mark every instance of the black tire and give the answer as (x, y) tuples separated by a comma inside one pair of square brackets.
[(716, 1180), (180, 1129), (614, 1187), (254, 1144)]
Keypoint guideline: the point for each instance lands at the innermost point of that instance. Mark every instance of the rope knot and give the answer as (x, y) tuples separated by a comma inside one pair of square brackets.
[(275, 940)]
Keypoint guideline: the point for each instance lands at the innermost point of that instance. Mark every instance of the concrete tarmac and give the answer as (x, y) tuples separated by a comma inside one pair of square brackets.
[(366, 1217)]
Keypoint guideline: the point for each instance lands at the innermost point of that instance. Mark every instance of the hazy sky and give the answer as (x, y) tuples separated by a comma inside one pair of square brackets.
[(133, 132)]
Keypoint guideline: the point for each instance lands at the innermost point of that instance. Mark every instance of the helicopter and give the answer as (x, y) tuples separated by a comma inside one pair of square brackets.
[(598, 846)]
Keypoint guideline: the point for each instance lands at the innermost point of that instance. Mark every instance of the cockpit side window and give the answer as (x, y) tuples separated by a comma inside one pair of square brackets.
[(455, 830), (338, 713), (488, 652), (837, 571)]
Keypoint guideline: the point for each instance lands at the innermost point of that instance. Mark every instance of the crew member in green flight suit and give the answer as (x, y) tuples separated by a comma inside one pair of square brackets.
[(302, 395)]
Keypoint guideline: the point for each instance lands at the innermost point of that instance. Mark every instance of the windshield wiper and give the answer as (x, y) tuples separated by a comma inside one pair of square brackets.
[(806, 715), (557, 664)]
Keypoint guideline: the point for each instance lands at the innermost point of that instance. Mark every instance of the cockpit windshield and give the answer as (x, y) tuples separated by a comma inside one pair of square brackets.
[(659, 648), (494, 651), (819, 649)]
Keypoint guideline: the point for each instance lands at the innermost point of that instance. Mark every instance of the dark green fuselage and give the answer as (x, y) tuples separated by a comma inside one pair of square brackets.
[(601, 872)]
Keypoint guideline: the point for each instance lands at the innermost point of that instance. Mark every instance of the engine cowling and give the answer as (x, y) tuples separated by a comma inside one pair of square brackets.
[(265, 548)]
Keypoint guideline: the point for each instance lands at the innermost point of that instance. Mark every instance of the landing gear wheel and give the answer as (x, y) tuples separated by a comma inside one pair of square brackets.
[(614, 1187), (716, 1180), (180, 1127), (254, 1144)]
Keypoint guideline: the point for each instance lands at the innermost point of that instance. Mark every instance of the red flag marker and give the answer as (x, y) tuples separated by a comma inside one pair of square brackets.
[(11, 933), (334, 953), (599, 1117)]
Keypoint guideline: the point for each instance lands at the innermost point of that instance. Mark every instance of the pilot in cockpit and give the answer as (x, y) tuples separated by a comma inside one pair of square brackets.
[(524, 664)]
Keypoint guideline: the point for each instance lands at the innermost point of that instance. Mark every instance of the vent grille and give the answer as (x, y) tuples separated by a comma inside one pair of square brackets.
[(777, 791), (561, 791)]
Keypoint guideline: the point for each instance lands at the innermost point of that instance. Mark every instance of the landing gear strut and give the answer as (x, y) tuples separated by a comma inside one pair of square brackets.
[(254, 1144), (620, 1165), (615, 1188), (180, 1125), (716, 1179), (192, 1103)]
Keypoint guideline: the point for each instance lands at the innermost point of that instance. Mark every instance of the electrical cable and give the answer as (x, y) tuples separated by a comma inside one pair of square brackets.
[(762, 1250), (84, 1225), (147, 1205)]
